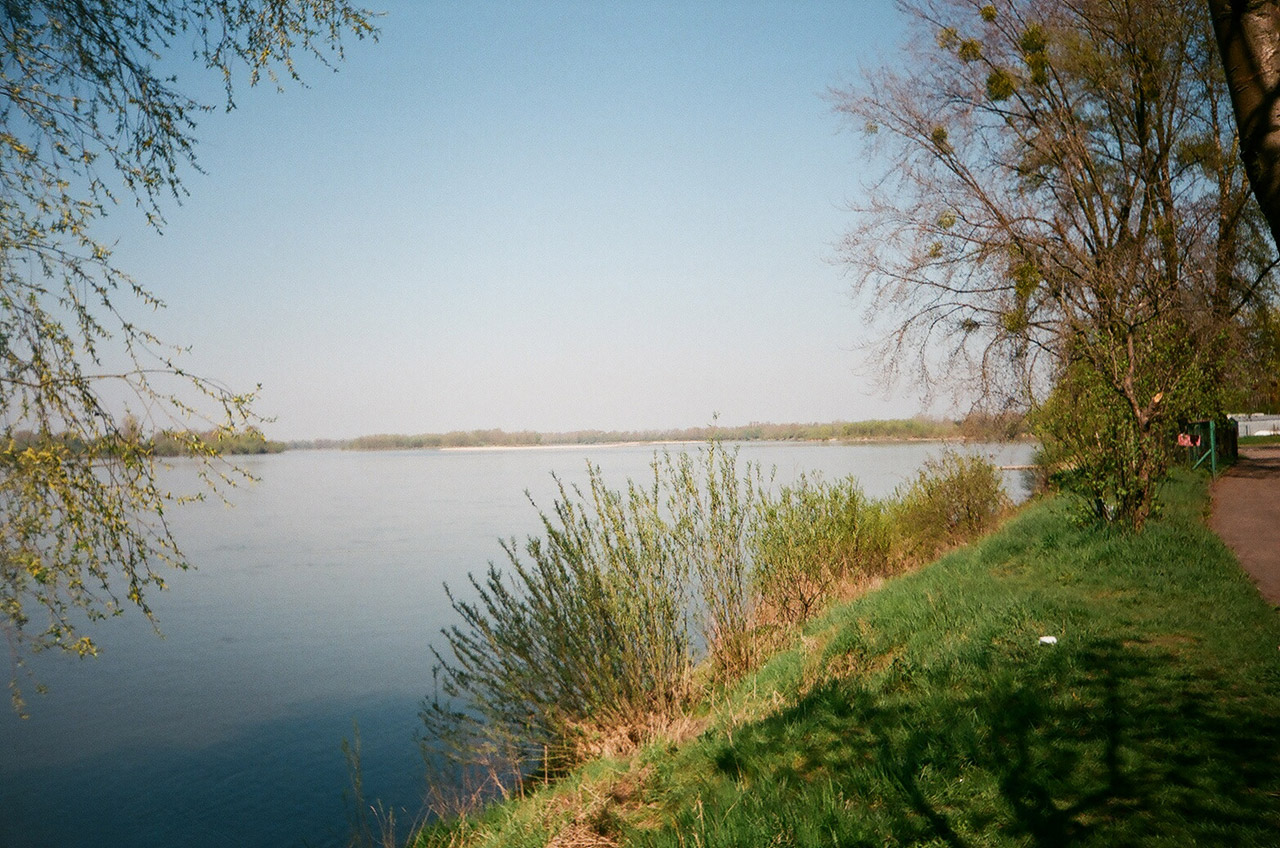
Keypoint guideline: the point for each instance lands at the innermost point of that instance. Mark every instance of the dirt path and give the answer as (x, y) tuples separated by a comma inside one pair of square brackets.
[(1246, 514)]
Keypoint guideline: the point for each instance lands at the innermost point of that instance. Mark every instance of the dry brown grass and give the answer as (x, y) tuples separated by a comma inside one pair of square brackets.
[(581, 836)]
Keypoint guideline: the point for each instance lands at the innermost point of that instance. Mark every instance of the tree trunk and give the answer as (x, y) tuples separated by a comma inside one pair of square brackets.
[(1248, 34)]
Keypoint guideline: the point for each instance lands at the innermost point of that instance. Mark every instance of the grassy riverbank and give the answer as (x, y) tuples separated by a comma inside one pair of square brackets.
[(928, 712)]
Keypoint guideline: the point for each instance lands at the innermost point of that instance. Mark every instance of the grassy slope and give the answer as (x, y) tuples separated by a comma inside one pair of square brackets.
[(927, 713)]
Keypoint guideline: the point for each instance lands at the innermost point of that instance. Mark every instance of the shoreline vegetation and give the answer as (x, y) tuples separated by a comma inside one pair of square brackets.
[(974, 427), (635, 604), (932, 707), (978, 427)]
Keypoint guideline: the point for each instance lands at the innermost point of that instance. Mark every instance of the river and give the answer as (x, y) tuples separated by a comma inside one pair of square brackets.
[(311, 611)]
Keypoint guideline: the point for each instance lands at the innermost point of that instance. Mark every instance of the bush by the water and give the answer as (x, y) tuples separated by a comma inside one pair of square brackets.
[(811, 539), (951, 499), (603, 630), (584, 634)]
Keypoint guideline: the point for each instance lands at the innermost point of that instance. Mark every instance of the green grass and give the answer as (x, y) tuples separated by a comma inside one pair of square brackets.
[(927, 712), (1259, 440)]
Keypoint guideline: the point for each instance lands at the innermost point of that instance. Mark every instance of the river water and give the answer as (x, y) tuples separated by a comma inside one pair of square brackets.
[(311, 611)]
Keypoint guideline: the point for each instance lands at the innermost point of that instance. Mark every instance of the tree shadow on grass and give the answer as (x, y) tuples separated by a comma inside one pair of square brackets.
[(1111, 744)]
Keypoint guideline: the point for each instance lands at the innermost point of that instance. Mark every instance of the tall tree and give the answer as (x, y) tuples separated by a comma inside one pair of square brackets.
[(1248, 36), (1064, 210), (88, 121)]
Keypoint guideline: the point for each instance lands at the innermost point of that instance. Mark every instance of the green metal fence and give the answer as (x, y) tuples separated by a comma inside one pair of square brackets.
[(1211, 443)]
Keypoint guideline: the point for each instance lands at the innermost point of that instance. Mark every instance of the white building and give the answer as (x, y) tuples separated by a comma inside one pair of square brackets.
[(1258, 424)]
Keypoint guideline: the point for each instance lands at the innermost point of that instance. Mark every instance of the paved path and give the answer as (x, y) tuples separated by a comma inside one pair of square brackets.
[(1246, 514)]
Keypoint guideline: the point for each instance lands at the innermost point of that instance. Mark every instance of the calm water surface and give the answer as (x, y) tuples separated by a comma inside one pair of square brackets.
[(312, 608)]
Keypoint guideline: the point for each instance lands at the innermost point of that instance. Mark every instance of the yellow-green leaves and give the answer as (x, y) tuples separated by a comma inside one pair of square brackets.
[(1034, 44), (939, 137), (1001, 85), (1034, 39), (1014, 322), (970, 50), (89, 123), (1026, 276)]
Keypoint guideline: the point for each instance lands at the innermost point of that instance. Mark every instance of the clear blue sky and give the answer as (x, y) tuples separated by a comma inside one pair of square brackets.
[(544, 215)]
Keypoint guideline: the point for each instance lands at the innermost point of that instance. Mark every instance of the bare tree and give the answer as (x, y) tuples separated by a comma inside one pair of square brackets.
[(1063, 212)]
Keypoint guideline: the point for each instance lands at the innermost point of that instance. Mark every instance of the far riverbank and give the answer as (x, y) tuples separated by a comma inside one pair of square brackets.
[(977, 428)]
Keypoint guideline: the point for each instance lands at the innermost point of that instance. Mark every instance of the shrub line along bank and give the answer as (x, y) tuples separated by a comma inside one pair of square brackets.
[(634, 605), (929, 712)]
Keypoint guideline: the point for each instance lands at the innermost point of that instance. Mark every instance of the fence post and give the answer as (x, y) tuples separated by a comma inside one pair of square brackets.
[(1213, 447)]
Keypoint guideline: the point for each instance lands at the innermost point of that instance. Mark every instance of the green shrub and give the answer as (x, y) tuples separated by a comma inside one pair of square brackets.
[(712, 507), (584, 633), (811, 539), (950, 500), (585, 641)]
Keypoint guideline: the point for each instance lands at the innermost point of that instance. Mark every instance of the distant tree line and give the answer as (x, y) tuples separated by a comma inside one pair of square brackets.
[(977, 427), (190, 443), (168, 443)]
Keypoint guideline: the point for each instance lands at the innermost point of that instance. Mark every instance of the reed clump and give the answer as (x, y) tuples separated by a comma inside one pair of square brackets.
[(601, 633), (583, 633)]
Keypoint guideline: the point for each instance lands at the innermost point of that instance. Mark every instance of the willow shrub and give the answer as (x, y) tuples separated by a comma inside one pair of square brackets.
[(586, 639), (950, 500), (714, 509), (812, 539)]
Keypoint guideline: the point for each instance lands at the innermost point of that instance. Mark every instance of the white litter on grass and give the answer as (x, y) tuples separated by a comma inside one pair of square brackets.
[(1048, 640)]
